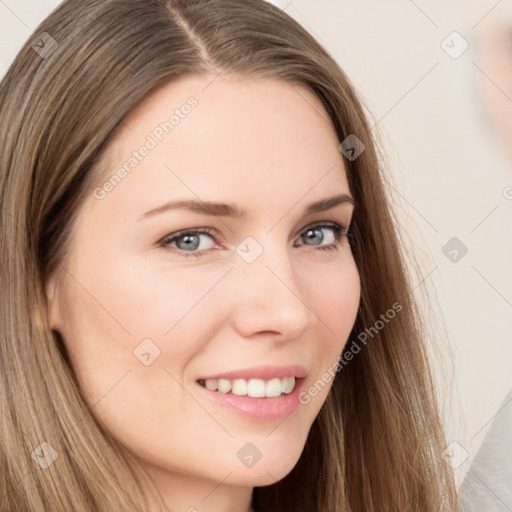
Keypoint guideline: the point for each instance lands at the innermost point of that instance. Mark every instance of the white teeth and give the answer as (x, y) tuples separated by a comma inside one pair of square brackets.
[(211, 384), (239, 387), (287, 384), (273, 387), (255, 388), (224, 385)]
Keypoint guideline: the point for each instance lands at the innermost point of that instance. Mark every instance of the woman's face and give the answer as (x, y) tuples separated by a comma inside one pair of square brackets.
[(149, 309)]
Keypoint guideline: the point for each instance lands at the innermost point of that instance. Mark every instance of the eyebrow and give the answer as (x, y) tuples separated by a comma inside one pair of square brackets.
[(234, 211)]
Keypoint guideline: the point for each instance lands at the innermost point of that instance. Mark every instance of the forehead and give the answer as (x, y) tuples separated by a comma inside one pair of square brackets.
[(209, 135)]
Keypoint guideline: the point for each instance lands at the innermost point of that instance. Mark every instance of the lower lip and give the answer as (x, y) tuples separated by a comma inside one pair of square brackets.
[(258, 408)]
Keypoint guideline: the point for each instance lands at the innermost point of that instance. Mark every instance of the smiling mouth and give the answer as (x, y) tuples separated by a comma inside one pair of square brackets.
[(254, 388)]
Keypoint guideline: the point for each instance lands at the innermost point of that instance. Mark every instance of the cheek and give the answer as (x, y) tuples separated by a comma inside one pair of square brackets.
[(340, 300), (146, 302), (170, 305), (116, 318), (121, 317), (335, 300)]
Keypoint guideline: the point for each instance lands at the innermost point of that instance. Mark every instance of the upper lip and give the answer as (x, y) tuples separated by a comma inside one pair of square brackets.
[(265, 372)]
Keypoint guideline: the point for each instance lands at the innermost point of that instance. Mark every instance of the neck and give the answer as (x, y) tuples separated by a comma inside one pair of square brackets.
[(181, 492)]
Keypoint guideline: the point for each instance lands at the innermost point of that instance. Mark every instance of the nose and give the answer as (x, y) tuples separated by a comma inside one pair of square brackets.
[(270, 297)]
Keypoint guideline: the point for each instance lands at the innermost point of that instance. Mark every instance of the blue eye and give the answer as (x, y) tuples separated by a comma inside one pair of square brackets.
[(188, 243), (316, 235)]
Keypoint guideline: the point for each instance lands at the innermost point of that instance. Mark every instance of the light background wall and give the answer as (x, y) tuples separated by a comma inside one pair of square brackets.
[(449, 168)]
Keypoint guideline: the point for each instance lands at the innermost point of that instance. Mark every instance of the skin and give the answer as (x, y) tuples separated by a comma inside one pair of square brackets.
[(271, 149)]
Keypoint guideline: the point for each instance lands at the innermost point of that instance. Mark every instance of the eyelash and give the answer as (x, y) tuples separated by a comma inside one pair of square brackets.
[(340, 232)]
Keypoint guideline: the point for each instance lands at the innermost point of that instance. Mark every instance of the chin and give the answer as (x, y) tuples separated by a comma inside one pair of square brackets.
[(265, 472)]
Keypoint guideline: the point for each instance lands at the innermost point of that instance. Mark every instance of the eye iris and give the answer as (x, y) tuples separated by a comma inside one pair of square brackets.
[(191, 242), (315, 235)]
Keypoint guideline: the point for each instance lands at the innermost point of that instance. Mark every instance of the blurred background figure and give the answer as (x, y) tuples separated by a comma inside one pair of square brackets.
[(494, 50), (488, 483)]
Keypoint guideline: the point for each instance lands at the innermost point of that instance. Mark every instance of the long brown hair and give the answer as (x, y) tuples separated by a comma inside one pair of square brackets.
[(375, 445)]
